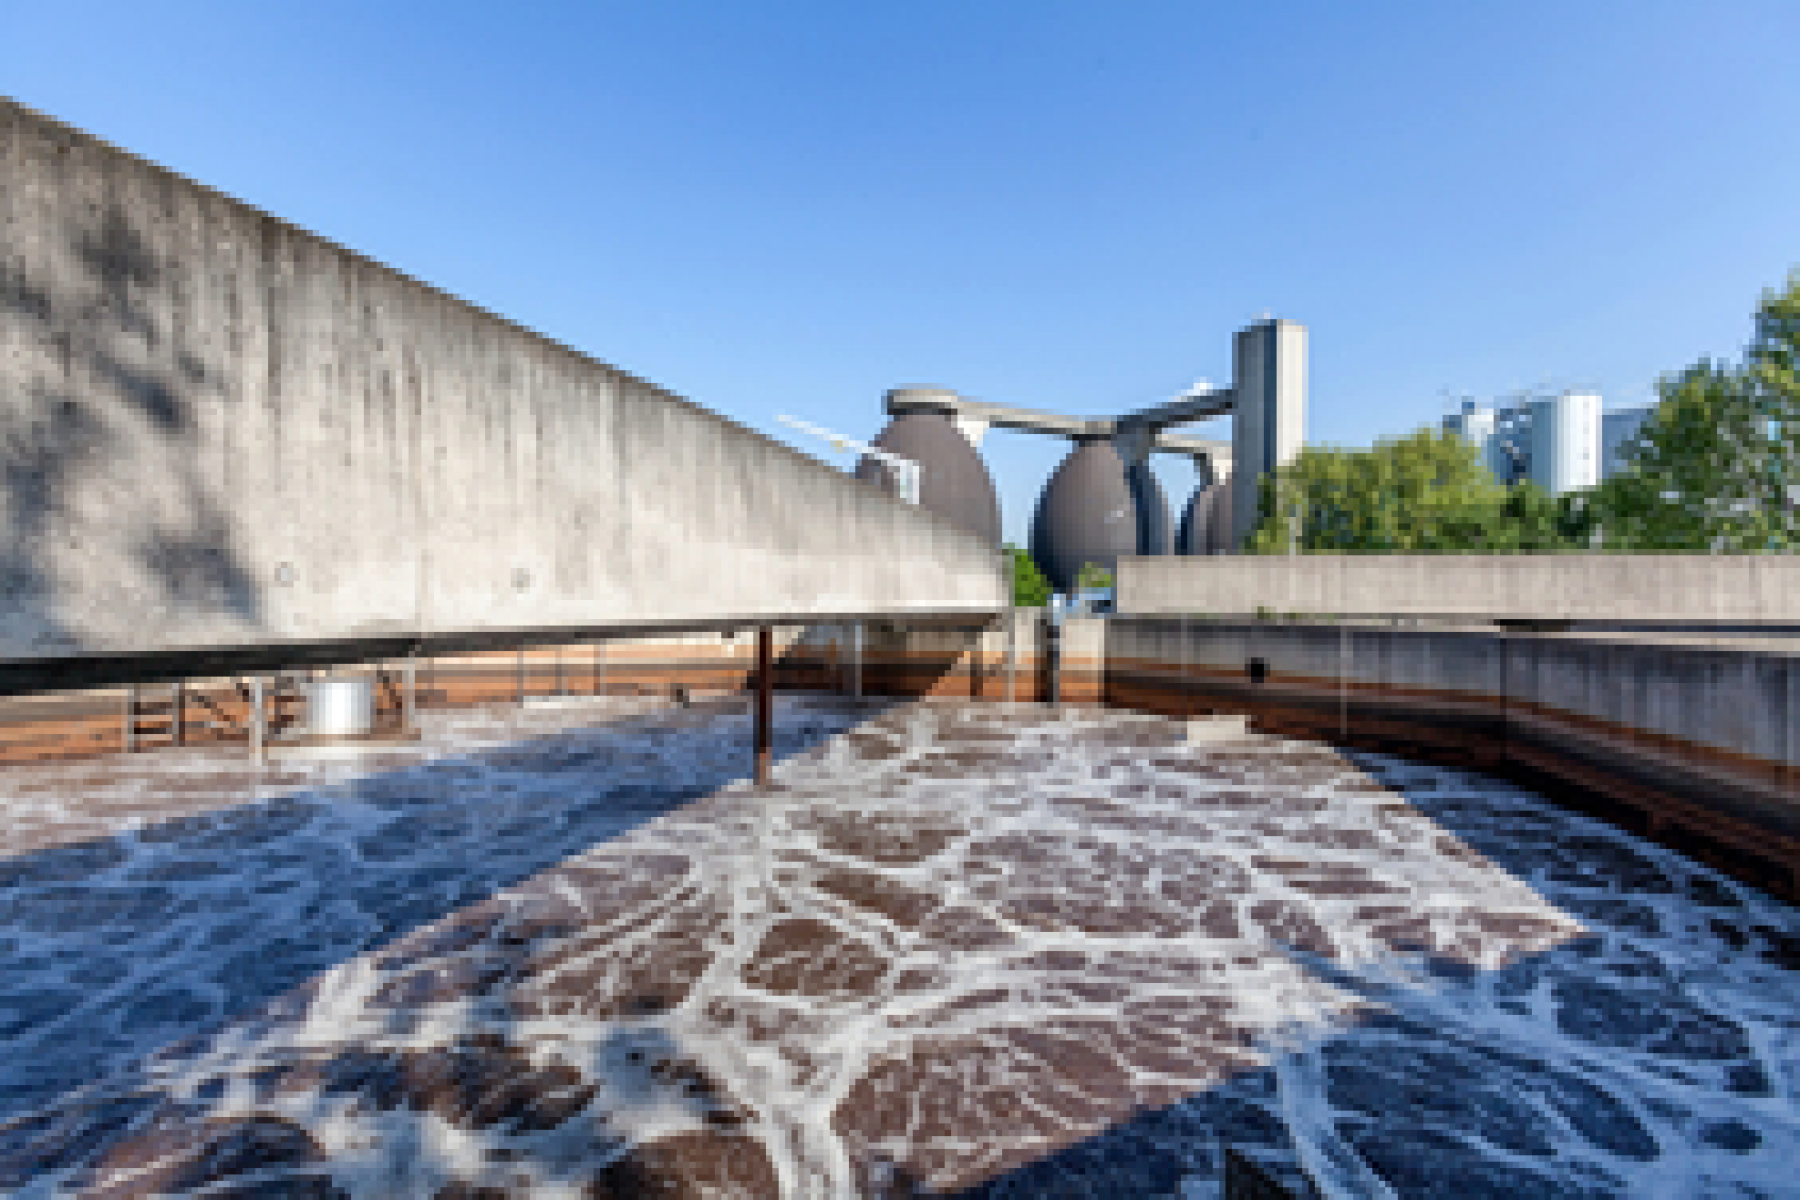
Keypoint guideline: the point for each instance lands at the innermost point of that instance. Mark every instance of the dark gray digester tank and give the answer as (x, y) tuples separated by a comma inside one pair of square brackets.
[(954, 482), (1094, 510), (1206, 524)]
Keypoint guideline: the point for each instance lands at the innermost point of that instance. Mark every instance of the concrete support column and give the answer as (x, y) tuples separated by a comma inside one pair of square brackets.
[(765, 702), (1269, 411)]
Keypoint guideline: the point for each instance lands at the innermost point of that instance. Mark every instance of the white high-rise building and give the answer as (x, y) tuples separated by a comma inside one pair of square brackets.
[(1478, 425), (1555, 441), (1565, 442), (1617, 428)]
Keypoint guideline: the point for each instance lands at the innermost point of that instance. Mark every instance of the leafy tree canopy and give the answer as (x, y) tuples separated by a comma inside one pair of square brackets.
[(1712, 466), (1093, 575), (1030, 588), (1428, 491)]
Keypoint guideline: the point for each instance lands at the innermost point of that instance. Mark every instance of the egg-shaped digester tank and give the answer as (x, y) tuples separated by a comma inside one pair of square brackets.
[(1206, 522), (954, 482), (1222, 512), (1190, 535), (1095, 510)]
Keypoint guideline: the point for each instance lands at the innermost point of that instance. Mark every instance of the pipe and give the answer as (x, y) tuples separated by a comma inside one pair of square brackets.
[(259, 719), (1012, 649), (765, 701)]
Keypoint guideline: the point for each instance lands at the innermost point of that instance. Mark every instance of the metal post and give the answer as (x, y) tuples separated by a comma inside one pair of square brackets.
[(1187, 672), (259, 719), (131, 694), (521, 675), (1343, 671), (1012, 649), (175, 715), (600, 658), (560, 690), (765, 701), (856, 661), (409, 694), (1053, 654)]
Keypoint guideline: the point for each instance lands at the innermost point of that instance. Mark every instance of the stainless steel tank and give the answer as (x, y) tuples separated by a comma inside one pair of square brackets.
[(340, 705)]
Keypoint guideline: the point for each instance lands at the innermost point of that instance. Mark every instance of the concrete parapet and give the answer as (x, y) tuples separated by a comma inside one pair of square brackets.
[(225, 431), (1549, 587)]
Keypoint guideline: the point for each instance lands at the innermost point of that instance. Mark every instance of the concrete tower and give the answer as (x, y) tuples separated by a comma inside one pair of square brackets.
[(1269, 416)]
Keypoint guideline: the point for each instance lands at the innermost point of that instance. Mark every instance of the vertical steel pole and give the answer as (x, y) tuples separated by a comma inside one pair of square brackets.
[(765, 701), (521, 676), (409, 696), (259, 720), (1012, 650), (1343, 674), (856, 661), (175, 715), (131, 694)]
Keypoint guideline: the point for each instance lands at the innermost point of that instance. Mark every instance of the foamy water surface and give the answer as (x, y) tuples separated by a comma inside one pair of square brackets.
[(985, 950)]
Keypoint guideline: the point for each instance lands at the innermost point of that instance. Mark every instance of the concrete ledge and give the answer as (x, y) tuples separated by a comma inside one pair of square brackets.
[(1517, 587)]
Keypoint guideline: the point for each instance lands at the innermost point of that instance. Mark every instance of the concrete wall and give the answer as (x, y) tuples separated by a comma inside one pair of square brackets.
[(1741, 701), (1646, 587), (220, 430), (1696, 747)]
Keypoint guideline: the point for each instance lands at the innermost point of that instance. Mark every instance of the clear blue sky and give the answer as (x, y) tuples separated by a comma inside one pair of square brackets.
[(791, 207)]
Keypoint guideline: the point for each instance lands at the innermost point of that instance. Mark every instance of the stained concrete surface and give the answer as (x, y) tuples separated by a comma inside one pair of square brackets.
[(223, 431), (988, 950)]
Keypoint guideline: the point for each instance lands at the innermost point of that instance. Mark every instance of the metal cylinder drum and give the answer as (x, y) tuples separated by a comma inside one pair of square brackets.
[(340, 706)]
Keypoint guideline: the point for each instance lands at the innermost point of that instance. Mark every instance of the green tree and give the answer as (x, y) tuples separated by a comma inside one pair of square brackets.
[(1423, 492), (1030, 588), (1093, 575), (1712, 467)]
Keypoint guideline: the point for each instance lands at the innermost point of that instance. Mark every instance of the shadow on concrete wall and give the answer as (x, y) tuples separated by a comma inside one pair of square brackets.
[(123, 377)]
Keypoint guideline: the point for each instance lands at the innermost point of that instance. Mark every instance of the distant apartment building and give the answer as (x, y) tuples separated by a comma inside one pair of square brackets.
[(1559, 442)]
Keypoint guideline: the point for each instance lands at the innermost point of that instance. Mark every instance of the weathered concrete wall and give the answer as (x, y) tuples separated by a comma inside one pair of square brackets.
[(1641, 587), (1699, 744), (221, 430), (1741, 701)]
